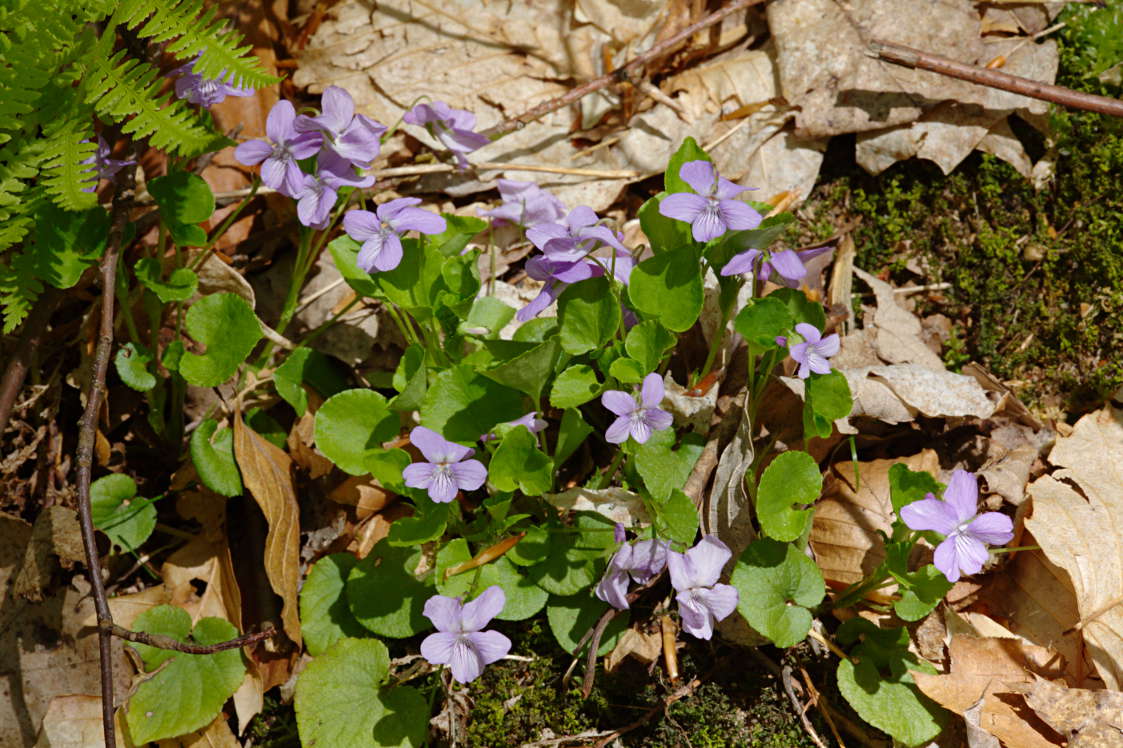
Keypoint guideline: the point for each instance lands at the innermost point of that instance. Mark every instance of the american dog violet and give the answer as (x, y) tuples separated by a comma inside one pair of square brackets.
[(812, 353), (460, 641), (280, 169), (353, 137), (637, 419), (380, 232), (710, 209), (453, 127), (956, 516), (525, 204), (694, 575), (640, 562), (447, 470), (205, 92)]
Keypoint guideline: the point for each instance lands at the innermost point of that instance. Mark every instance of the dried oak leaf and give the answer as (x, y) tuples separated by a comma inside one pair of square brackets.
[(1078, 522)]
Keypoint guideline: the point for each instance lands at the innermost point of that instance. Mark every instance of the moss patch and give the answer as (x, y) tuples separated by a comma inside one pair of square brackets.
[(1036, 276)]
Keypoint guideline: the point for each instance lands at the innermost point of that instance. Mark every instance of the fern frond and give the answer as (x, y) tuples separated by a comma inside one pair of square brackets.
[(195, 30), (68, 141), (128, 91), (20, 160), (19, 288)]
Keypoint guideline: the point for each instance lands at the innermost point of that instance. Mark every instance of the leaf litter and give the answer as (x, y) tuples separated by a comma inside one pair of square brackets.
[(767, 111)]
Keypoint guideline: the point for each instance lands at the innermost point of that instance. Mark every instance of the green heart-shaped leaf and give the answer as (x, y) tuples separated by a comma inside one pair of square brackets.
[(189, 690), (668, 288), (792, 478), (214, 459), (351, 423), (125, 518), (227, 326), (776, 585)]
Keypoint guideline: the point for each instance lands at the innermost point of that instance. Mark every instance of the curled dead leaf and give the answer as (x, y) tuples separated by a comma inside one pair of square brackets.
[(265, 471)]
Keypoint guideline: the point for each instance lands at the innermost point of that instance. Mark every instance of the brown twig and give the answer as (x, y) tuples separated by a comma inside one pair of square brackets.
[(620, 74), (800, 708), (166, 642), (87, 434), (914, 58), (16, 370), (594, 645), (678, 695)]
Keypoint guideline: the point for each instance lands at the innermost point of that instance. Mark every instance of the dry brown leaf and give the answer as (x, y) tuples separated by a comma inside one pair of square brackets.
[(1087, 719), (376, 528), (74, 721), (363, 493), (1082, 531), (203, 560), (897, 331), (644, 646), (1034, 600), (266, 473), (617, 504), (850, 514), (987, 669), (54, 535), (249, 699), (300, 442), (496, 61)]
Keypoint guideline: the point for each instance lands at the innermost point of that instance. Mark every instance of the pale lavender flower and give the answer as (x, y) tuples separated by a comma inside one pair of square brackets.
[(637, 419), (525, 204), (640, 562), (204, 91), (967, 533), (558, 272), (380, 232), (354, 137), (576, 237), (104, 166), (789, 264), (533, 424), (710, 209), (460, 641), (318, 194), (813, 352), (448, 469), (280, 169), (453, 127), (694, 575)]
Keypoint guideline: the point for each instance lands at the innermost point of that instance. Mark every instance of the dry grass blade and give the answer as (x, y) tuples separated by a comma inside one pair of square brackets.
[(265, 471)]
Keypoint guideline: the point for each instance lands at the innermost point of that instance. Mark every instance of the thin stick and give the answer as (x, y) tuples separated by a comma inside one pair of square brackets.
[(914, 58), (166, 642), (815, 699), (17, 367), (800, 709), (87, 434), (620, 74)]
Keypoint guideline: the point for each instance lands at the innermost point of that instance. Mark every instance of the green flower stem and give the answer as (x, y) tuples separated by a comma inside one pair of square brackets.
[(300, 270), (327, 324), (606, 477), (405, 329), (715, 345), (226, 223), (855, 592)]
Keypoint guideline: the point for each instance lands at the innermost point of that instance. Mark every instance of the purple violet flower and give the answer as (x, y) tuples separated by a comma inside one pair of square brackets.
[(956, 516), (694, 575), (453, 127), (641, 562), (380, 232), (104, 166), (710, 209), (460, 641), (525, 204), (354, 137), (637, 419), (204, 91), (319, 192), (447, 471), (575, 238), (813, 352), (788, 264), (280, 169), (533, 424), (557, 271)]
